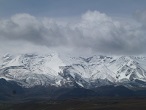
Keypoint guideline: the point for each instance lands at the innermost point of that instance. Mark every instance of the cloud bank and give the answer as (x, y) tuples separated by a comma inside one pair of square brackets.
[(94, 32)]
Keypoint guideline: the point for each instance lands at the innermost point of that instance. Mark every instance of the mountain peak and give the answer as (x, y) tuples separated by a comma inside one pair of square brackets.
[(63, 70)]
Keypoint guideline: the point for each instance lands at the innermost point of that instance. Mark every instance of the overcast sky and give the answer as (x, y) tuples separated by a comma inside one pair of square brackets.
[(78, 27)]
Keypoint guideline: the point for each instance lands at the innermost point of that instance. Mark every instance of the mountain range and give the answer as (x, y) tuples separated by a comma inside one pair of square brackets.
[(65, 72), (30, 70)]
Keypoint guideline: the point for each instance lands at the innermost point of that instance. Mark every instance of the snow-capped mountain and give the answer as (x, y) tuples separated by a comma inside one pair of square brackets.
[(29, 70)]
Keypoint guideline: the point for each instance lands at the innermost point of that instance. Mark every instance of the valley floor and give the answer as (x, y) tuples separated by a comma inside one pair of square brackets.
[(75, 104)]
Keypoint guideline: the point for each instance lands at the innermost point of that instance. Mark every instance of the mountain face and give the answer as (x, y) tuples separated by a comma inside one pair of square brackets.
[(30, 70)]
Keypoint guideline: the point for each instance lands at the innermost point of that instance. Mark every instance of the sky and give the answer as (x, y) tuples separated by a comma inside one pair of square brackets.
[(77, 27)]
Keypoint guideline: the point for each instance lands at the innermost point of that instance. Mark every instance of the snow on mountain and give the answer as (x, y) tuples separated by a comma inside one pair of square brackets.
[(62, 70), (31, 69), (129, 68)]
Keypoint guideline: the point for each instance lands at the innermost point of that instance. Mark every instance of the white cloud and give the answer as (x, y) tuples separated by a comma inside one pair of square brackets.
[(94, 32)]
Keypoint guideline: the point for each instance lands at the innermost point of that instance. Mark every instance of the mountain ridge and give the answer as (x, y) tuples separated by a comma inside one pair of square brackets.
[(57, 70)]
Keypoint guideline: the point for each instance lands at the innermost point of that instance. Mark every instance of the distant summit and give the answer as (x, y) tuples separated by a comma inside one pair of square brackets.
[(30, 70)]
